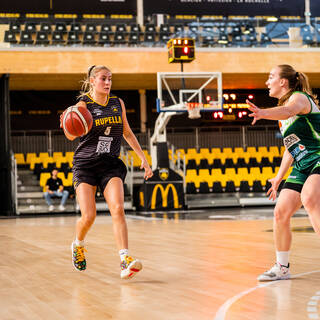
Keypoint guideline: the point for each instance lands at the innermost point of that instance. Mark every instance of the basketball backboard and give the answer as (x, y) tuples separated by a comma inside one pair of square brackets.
[(199, 89)]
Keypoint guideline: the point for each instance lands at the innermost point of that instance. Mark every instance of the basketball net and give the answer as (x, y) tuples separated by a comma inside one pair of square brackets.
[(193, 110)]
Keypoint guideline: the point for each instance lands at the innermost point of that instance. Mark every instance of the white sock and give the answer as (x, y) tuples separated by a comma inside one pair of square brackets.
[(283, 257), (78, 242), (123, 253)]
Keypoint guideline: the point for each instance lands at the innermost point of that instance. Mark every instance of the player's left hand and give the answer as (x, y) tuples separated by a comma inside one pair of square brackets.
[(147, 170), (256, 114)]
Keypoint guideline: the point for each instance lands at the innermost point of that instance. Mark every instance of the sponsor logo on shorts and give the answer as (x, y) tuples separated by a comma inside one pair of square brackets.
[(290, 140)]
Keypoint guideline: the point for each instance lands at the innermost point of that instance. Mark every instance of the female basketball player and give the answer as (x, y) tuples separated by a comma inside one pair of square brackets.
[(96, 163), (299, 121)]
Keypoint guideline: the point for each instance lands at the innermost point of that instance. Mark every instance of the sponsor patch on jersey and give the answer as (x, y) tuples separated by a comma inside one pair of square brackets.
[(115, 109), (301, 147), (290, 140), (97, 112)]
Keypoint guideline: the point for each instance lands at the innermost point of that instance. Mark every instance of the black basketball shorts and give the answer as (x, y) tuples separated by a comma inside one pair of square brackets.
[(99, 173)]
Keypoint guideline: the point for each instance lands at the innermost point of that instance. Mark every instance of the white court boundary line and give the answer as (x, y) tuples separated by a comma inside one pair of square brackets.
[(222, 311)]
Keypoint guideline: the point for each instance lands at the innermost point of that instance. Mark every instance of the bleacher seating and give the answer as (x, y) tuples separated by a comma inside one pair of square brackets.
[(235, 170), (207, 33)]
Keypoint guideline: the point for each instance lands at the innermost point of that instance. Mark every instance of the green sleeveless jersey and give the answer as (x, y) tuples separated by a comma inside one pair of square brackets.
[(301, 136)]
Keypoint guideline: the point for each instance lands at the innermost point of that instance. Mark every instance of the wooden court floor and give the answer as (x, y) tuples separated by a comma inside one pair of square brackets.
[(193, 269)]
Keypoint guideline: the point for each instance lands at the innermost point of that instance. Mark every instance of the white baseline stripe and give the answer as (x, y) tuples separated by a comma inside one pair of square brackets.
[(221, 313)]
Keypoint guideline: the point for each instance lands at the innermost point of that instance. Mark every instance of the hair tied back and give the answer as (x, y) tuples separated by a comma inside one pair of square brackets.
[(90, 69)]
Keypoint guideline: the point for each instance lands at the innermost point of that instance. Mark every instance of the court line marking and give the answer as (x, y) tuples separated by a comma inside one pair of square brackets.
[(312, 307), (222, 311)]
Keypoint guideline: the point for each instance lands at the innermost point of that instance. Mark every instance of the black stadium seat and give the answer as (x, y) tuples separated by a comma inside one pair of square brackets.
[(191, 188), (204, 188), (257, 187), (119, 38), (244, 186), (61, 27), (89, 38), (26, 38), (10, 37), (14, 27), (57, 38), (134, 38), (30, 27), (45, 27), (42, 38), (104, 38), (73, 38), (217, 188), (230, 187), (76, 27)]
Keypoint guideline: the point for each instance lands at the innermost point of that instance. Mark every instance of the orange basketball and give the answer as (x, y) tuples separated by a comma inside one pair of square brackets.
[(77, 121)]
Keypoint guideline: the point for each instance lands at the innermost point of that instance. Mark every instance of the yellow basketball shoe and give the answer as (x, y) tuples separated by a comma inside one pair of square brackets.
[(129, 267), (78, 258)]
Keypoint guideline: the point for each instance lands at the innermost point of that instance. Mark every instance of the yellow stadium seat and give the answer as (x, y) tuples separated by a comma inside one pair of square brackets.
[(282, 149), (230, 175), (216, 152), (274, 151), (33, 161), (133, 156), (216, 175), (266, 174), (60, 160), (30, 156), (192, 150), (252, 150), (204, 175), (69, 155), (263, 151), (239, 151), (19, 158), (227, 150), (62, 177), (243, 173), (255, 174), (44, 176), (47, 160), (57, 155), (191, 176), (68, 181), (204, 151), (43, 155)]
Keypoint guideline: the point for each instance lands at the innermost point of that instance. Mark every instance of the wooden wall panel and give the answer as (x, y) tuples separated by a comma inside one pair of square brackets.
[(136, 68)]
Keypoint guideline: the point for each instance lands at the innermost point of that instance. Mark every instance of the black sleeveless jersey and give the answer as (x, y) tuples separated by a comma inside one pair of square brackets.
[(104, 139)]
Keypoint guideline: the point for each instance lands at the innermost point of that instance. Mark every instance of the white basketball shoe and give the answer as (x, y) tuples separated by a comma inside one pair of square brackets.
[(277, 272)]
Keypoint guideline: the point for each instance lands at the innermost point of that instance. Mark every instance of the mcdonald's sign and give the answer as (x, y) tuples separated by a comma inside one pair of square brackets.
[(164, 191), (164, 195)]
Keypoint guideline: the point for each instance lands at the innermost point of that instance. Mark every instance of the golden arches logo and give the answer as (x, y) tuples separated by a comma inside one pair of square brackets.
[(164, 195)]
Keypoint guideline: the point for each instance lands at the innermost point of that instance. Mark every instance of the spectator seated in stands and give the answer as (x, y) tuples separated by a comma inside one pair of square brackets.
[(54, 188)]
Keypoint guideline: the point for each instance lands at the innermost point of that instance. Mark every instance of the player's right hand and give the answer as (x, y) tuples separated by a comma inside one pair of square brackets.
[(272, 192)]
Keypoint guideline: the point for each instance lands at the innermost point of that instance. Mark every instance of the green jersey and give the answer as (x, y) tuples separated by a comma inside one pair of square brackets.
[(301, 136)]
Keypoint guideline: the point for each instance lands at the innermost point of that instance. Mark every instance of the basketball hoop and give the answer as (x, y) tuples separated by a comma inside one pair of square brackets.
[(194, 110)]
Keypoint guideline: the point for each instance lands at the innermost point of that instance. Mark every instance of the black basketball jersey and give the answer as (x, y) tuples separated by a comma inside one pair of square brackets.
[(104, 139)]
